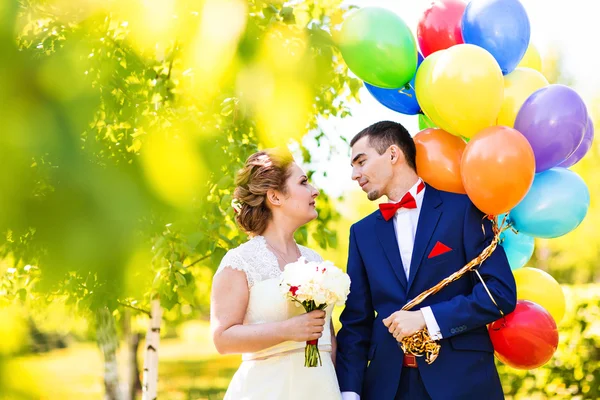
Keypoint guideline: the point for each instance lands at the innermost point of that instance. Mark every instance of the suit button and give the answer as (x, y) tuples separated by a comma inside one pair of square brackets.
[(452, 330)]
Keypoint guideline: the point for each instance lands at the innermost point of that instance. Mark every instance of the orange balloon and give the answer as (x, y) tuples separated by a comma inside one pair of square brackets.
[(438, 159), (497, 169)]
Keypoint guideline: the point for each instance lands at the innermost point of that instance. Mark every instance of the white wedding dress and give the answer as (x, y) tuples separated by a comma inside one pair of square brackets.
[(278, 372)]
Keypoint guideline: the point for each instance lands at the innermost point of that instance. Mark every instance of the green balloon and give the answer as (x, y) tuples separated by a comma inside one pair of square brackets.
[(378, 47), (425, 122)]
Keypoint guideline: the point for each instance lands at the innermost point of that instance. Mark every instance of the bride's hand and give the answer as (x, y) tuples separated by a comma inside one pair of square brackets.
[(305, 327)]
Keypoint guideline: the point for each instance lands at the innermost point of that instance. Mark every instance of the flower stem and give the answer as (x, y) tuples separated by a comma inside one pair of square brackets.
[(312, 356)]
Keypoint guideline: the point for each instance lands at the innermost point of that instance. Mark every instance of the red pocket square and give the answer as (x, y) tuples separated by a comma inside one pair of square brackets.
[(438, 249)]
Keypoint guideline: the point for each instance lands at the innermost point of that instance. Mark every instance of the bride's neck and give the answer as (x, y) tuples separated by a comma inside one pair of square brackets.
[(280, 236)]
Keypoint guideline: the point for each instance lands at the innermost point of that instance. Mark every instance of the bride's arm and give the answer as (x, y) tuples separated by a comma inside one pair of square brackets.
[(229, 300)]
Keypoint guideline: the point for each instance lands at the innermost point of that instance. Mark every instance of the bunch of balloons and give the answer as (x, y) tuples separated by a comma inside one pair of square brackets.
[(494, 129)]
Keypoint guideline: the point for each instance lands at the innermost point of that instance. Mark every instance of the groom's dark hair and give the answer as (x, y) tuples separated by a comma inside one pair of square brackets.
[(386, 133)]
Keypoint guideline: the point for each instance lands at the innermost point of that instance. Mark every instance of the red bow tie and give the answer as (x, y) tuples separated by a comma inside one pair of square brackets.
[(388, 210)]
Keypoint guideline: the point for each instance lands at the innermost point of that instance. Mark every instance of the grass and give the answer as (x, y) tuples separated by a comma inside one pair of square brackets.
[(189, 369)]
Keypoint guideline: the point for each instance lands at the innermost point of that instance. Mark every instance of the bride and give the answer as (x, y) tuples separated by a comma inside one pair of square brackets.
[(249, 315)]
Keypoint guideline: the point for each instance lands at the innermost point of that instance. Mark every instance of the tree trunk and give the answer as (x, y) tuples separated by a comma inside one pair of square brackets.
[(149, 388), (108, 342), (132, 374)]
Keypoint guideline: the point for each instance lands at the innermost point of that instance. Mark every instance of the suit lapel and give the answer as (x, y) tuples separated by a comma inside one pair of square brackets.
[(428, 219), (387, 238)]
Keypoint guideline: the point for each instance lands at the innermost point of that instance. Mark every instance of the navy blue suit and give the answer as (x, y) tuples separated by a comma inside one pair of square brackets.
[(369, 361)]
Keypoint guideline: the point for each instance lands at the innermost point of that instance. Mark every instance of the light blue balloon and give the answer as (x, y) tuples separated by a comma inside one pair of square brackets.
[(556, 204), (518, 248), (501, 218), (499, 26)]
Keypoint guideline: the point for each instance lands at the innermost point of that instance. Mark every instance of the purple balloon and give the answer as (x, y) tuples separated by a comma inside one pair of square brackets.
[(553, 119), (583, 148)]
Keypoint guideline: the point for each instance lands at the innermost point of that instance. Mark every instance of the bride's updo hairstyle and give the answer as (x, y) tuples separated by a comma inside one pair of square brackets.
[(263, 171)]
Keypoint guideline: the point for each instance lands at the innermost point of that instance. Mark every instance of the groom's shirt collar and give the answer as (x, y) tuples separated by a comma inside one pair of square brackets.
[(413, 191)]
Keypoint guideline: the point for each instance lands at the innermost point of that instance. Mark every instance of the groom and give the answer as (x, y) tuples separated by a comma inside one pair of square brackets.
[(421, 237)]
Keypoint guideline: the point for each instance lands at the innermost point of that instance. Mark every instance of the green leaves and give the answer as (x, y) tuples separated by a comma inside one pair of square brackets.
[(287, 15), (216, 255), (83, 206), (180, 279), (273, 14), (302, 235)]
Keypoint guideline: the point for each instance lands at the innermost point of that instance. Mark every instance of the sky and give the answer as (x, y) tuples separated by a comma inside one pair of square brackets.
[(568, 25)]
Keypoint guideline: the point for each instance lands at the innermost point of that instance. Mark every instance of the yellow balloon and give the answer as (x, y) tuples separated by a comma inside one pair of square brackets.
[(531, 59), (518, 86), (467, 89), (423, 88), (540, 287)]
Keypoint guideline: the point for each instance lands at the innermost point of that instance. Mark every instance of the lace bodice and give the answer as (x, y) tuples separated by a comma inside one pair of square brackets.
[(256, 260), (266, 303)]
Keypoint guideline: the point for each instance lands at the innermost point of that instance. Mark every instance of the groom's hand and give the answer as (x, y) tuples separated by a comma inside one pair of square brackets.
[(404, 323)]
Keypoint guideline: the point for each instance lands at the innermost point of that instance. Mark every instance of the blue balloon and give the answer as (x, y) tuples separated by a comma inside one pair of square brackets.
[(499, 26), (556, 204), (518, 248), (401, 100)]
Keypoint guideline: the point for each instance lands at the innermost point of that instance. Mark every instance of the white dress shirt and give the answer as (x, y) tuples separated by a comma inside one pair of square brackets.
[(405, 225)]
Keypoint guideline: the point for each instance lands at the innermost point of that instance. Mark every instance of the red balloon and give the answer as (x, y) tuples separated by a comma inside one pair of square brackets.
[(526, 338), (439, 27)]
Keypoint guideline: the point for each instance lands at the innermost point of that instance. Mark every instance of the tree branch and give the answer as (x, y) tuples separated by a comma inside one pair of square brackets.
[(198, 260), (172, 59), (127, 305)]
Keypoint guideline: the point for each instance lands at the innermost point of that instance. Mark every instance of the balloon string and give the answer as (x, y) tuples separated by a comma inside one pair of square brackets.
[(488, 292), (408, 86), (421, 343)]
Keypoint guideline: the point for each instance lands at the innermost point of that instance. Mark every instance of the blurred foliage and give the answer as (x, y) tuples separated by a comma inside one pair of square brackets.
[(123, 126)]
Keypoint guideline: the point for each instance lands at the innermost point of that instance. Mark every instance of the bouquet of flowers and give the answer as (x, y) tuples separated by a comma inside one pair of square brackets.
[(314, 285)]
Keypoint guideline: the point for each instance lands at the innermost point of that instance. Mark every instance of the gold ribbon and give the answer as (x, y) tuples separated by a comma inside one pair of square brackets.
[(420, 343)]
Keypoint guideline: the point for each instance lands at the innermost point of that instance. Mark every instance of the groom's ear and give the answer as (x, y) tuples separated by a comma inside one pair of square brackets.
[(273, 198), (394, 152)]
